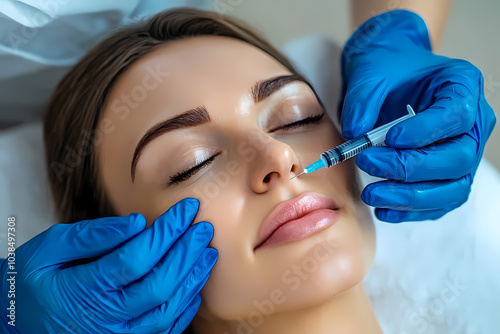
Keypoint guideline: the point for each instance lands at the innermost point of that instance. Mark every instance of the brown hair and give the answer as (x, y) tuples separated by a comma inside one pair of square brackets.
[(70, 122)]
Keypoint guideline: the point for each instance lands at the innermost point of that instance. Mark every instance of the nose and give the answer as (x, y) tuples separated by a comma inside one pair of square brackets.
[(275, 162)]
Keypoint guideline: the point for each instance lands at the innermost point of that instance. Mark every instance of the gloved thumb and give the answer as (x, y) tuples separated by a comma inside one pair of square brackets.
[(64, 243), (364, 98)]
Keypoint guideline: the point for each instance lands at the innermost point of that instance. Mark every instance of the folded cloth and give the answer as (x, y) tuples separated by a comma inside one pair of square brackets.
[(41, 40)]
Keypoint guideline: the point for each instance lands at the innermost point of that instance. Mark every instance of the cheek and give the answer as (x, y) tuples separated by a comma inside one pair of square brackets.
[(223, 204), (309, 145), (343, 184)]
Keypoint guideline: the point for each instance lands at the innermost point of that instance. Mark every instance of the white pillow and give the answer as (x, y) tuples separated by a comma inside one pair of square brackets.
[(24, 189)]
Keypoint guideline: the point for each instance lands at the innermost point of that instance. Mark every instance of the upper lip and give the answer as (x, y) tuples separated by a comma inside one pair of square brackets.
[(292, 209)]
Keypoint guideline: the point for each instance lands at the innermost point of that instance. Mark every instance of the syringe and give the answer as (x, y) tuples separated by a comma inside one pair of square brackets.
[(350, 148)]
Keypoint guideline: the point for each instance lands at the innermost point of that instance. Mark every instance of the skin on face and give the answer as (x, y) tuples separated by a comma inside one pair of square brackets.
[(248, 177)]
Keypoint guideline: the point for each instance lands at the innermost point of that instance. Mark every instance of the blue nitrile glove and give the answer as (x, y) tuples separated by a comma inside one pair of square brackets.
[(386, 64), (134, 280)]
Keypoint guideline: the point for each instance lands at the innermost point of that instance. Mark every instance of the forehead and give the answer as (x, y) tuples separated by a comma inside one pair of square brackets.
[(210, 70), (191, 67), (182, 74)]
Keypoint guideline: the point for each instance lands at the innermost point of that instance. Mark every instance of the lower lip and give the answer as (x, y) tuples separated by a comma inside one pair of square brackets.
[(302, 227)]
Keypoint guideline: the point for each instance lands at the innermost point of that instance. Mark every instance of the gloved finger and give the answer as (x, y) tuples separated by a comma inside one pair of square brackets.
[(451, 159), (160, 320), (453, 113), (362, 104), (165, 279), (138, 256), (164, 316), (428, 195), (187, 316), (64, 243), (399, 216)]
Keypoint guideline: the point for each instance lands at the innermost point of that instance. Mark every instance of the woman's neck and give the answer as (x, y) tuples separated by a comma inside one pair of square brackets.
[(348, 313)]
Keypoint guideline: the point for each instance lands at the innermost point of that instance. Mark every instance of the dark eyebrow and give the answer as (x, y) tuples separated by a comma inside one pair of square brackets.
[(265, 88), (200, 115), (192, 117)]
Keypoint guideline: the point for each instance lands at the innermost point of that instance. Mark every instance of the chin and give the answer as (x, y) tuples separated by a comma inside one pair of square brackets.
[(300, 274), (332, 266)]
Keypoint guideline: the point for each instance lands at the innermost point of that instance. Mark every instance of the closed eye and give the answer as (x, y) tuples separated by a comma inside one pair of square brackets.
[(302, 122), (185, 175)]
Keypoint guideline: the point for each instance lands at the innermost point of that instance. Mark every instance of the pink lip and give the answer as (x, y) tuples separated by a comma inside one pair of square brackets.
[(296, 219)]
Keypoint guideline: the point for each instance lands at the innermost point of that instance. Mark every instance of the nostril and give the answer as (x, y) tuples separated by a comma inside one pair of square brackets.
[(267, 178)]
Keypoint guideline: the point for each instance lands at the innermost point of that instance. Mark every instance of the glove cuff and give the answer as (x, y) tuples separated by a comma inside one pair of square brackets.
[(399, 29)]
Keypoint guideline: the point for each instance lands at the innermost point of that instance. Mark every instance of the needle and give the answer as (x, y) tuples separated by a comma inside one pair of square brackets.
[(350, 148), (293, 177)]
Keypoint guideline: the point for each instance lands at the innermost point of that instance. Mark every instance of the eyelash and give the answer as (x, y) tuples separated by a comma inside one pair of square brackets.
[(185, 175), (302, 122)]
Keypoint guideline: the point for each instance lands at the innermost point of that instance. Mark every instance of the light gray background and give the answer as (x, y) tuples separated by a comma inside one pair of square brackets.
[(472, 33)]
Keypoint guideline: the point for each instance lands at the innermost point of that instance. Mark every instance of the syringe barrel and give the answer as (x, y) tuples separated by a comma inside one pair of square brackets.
[(347, 150), (350, 148)]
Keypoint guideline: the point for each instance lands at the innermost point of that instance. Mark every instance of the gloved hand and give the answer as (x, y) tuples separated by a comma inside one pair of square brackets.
[(386, 64), (135, 280)]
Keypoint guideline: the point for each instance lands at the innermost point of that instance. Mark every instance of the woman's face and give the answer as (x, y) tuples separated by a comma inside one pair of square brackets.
[(248, 151)]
